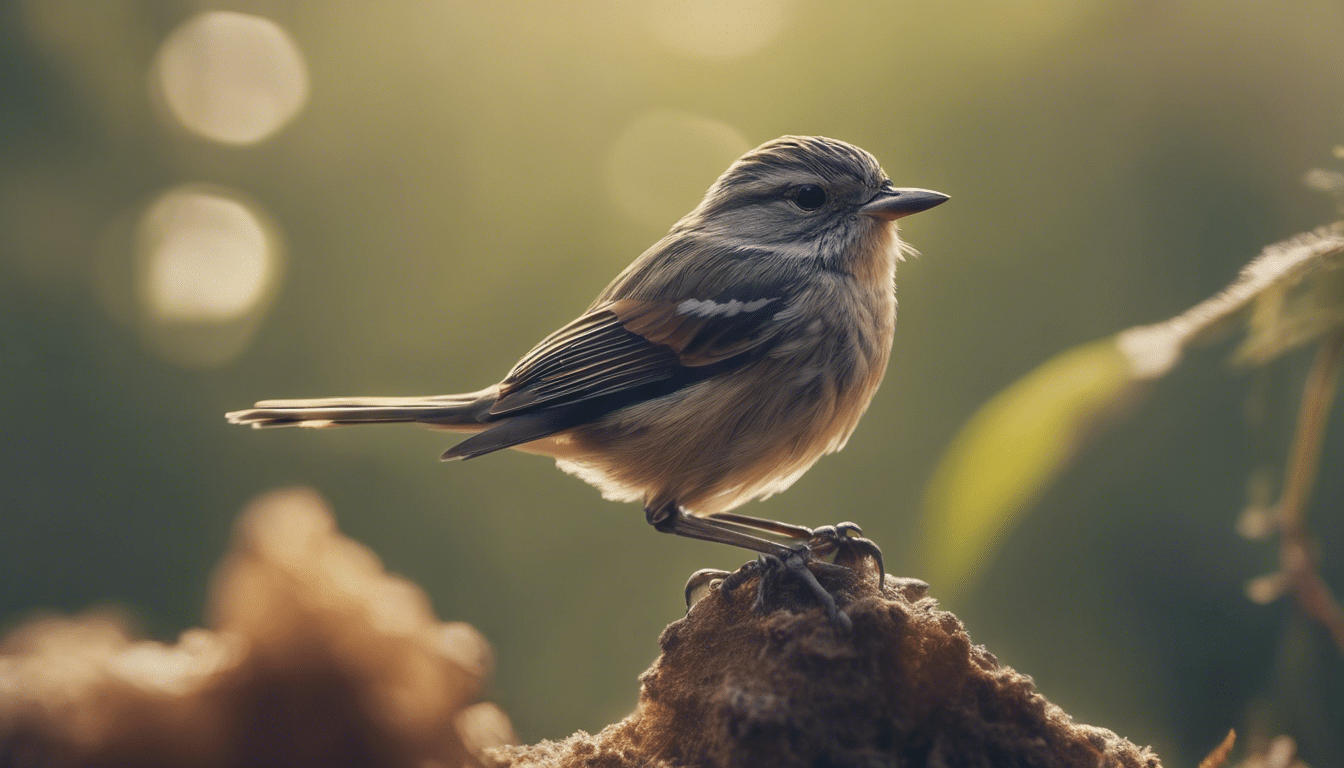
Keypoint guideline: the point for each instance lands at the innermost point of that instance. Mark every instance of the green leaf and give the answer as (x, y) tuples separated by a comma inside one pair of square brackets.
[(1011, 448), (1015, 444)]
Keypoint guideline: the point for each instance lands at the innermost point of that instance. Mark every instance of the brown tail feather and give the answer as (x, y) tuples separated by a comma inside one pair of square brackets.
[(465, 411)]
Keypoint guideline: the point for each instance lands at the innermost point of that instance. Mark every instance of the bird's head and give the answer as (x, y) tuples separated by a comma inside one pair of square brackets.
[(805, 196)]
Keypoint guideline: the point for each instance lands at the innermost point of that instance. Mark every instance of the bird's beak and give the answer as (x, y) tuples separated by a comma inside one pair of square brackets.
[(892, 204)]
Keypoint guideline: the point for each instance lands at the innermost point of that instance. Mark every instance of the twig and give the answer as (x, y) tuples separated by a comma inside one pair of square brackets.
[(1296, 557)]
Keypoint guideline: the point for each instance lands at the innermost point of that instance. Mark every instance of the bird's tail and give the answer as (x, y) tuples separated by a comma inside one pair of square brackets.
[(464, 412)]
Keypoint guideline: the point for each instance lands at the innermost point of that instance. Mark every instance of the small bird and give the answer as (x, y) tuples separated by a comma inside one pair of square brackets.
[(718, 367)]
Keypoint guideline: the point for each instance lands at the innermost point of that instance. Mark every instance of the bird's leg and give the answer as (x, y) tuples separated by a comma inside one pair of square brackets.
[(819, 548), (762, 524), (670, 518)]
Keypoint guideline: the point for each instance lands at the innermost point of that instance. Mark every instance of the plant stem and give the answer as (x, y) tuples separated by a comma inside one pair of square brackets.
[(1296, 555)]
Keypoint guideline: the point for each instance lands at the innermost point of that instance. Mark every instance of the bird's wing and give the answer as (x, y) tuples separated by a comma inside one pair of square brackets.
[(633, 342), (582, 370)]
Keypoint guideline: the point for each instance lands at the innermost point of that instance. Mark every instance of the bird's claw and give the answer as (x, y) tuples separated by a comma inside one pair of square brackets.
[(844, 544), (830, 547), (702, 582)]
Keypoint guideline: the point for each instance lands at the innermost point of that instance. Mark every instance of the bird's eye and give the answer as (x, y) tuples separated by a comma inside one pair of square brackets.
[(809, 197)]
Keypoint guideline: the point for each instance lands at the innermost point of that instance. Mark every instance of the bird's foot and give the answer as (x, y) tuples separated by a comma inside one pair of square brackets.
[(838, 552), (777, 572), (843, 544), (779, 579), (835, 551)]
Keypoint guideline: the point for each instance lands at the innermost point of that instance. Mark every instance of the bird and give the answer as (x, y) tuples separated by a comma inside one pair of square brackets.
[(717, 368)]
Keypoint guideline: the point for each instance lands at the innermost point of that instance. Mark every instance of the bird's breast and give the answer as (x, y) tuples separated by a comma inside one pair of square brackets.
[(842, 336)]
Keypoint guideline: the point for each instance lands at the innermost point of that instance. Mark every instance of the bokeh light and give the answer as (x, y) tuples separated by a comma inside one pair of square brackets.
[(207, 264), (231, 77), (713, 29), (208, 259), (660, 166)]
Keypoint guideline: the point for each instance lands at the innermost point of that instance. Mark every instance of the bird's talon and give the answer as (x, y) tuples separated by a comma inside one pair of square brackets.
[(849, 530), (701, 583), (833, 551), (843, 544), (867, 547)]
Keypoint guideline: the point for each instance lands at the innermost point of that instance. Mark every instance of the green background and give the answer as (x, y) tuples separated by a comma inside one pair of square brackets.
[(465, 176)]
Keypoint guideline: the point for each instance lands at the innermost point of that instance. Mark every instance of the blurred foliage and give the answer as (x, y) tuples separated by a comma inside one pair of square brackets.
[(456, 182), (1012, 447), (1018, 441)]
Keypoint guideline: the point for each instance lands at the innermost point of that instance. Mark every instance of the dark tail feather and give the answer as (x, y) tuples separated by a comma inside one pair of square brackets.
[(443, 410)]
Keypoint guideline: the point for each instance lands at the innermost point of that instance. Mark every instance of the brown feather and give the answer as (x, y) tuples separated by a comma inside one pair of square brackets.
[(697, 339)]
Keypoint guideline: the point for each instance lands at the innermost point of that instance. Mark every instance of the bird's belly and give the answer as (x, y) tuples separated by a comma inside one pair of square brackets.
[(715, 445)]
